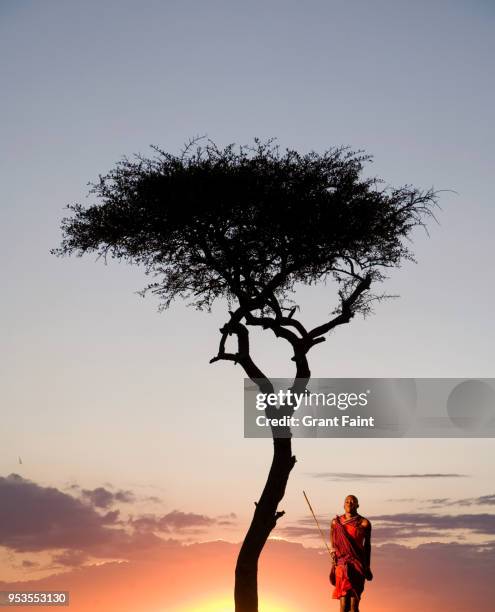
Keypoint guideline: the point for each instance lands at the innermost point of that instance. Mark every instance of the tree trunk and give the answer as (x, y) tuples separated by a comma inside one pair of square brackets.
[(264, 520)]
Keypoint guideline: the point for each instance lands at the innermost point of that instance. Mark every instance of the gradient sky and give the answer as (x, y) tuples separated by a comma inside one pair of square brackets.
[(98, 388)]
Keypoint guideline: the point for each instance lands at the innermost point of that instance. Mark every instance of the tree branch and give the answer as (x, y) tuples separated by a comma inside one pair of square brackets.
[(347, 311), (242, 356)]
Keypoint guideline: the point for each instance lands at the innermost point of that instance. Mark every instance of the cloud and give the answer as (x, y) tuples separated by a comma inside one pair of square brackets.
[(70, 558), (338, 476), (173, 521), (183, 520), (227, 520), (301, 531), (29, 564), (482, 500), (34, 518), (405, 526), (153, 499), (438, 501), (410, 524), (103, 498), (229, 516), (292, 576), (432, 576)]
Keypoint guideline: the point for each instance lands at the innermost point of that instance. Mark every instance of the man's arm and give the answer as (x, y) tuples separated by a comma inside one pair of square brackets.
[(332, 549), (367, 547)]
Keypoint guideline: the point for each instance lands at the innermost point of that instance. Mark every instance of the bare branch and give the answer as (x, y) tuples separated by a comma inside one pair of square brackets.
[(346, 310), (242, 356)]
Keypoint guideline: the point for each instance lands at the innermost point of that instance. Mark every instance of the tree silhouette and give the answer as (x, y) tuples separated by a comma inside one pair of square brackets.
[(247, 224)]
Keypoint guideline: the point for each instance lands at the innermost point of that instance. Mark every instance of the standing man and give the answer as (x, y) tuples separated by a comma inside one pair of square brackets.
[(350, 537)]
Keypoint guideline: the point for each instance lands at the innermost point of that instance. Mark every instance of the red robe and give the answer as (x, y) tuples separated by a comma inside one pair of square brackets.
[(348, 542)]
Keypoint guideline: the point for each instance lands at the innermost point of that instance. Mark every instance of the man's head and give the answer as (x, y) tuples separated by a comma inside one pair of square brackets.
[(351, 504)]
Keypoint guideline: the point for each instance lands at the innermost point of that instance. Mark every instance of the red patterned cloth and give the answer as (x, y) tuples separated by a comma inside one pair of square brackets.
[(348, 542)]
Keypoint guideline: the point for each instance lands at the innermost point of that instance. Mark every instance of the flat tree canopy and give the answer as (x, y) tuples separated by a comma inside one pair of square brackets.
[(247, 223)]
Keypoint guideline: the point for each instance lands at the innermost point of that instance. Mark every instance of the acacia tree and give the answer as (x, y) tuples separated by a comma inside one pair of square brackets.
[(247, 224)]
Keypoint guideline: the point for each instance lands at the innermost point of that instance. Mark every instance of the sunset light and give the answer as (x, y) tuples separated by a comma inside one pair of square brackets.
[(226, 604)]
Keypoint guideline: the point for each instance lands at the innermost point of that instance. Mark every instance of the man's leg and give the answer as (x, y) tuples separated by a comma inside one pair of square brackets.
[(354, 604), (345, 604)]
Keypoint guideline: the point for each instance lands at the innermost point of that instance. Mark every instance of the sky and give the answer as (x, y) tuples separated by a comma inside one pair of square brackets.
[(102, 393)]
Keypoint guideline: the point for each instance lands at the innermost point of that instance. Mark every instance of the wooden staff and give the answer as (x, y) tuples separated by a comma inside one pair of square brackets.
[(317, 524)]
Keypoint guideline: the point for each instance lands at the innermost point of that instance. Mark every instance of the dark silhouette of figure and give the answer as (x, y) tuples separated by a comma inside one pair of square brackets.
[(248, 224), (350, 537)]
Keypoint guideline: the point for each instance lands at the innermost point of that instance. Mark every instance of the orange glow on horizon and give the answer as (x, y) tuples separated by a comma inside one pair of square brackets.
[(226, 604)]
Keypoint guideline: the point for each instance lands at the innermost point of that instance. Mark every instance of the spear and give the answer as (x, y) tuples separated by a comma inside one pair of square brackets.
[(317, 524)]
